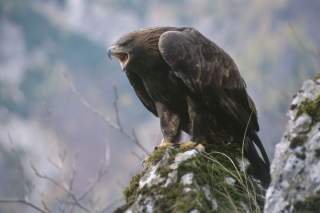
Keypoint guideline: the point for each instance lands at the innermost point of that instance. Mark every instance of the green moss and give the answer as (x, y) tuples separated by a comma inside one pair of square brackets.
[(298, 141), (317, 77), (210, 171), (312, 108), (156, 156), (302, 156), (187, 146), (163, 171), (233, 150), (175, 199), (131, 190), (309, 205)]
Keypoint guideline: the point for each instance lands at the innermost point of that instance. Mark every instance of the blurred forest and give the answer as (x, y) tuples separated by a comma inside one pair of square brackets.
[(53, 64)]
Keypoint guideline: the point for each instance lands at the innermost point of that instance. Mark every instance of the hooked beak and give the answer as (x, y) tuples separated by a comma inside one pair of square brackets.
[(110, 51), (120, 53)]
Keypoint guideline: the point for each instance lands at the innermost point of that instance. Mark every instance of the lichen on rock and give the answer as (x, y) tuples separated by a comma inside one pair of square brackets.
[(295, 170), (190, 178)]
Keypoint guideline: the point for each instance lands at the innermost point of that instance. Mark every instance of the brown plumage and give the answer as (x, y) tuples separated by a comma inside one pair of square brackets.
[(191, 84)]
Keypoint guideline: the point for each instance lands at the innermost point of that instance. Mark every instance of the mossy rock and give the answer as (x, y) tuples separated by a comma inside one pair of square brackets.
[(309, 205), (187, 179), (311, 107)]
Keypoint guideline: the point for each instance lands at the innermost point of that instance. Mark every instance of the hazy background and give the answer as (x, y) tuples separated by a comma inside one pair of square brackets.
[(44, 123)]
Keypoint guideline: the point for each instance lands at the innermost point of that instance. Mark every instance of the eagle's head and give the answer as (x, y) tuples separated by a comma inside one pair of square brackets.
[(123, 50), (135, 48)]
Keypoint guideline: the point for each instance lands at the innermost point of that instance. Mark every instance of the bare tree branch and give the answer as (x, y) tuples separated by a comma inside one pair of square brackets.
[(45, 206), (73, 174), (72, 201), (20, 166), (56, 183), (110, 205), (137, 156), (314, 52), (24, 202), (102, 171), (91, 187), (116, 108), (117, 126), (137, 142)]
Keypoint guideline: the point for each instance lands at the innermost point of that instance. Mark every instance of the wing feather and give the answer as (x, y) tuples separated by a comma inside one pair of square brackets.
[(141, 92), (207, 71)]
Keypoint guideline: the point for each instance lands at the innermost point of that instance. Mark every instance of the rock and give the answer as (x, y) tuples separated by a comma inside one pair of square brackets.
[(190, 179), (181, 157), (187, 179), (295, 169), (216, 178)]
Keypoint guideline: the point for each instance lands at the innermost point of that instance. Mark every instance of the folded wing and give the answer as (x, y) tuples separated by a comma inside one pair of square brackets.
[(141, 92), (209, 73)]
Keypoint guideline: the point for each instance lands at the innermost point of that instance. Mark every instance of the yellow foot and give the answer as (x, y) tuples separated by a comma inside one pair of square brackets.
[(190, 144), (187, 145), (200, 147), (164, 143)]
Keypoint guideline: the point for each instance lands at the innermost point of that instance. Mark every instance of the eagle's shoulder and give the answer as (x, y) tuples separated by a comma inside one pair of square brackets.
[(191, 54), (207, 70)]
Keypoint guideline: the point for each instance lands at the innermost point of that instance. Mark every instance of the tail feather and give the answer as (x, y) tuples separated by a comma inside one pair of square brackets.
[(261, 165), (255, 138)]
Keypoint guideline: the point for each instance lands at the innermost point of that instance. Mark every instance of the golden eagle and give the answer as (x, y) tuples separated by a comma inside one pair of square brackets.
[(192, 85)]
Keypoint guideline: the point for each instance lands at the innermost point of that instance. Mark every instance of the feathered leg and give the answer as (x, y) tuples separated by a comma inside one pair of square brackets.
[(170, 124), (198, 126)]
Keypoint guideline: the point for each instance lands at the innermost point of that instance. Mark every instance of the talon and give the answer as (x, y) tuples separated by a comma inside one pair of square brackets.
[(164, 143), (200, 147), (188, 144)]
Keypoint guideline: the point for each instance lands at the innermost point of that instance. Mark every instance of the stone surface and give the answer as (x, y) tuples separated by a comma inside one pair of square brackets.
[(295, 170), (189, 179)]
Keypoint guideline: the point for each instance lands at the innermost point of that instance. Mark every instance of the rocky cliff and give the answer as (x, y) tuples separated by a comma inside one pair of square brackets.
[(295, 169)]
